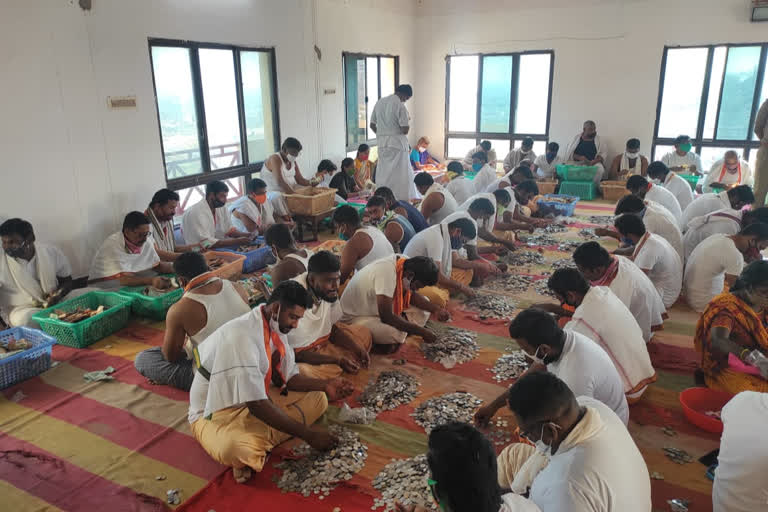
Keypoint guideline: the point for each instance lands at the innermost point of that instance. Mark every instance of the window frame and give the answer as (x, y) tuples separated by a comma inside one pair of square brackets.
[(208, 174), (747, 145), (344, 55), (510, 135)]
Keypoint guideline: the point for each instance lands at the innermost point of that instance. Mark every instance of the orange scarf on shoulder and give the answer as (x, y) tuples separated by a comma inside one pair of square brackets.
[(402, 298)]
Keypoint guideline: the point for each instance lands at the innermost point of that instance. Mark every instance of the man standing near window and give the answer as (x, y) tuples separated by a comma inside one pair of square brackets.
[(761, 166), (390, 122), (682, 159)]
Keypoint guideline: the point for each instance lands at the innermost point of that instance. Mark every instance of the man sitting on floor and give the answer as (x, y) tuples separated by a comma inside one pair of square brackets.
[(486, 174), (208, 303), (654, 256), (248, 395), (128, 258), (160, 213), (639, 186), (33, 275), (735, 198), (682, 159), (483, 147), (384, 297), (627, 281), (482, 208), (208, 222), (438, 203), (253, 213), (365, 244), (629, 163), (324, 346), (725, 222), (587, 149), (584, 459), (441, 243), (398, 230), (403, 208), (291, 261), (459, 186), (546, 164), (573, 357), (672, 182), (728, 172), (524, 152)]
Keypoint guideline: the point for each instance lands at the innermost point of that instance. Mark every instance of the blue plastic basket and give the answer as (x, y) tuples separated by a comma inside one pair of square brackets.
[(30, 363), (256, 259), (564, 209)]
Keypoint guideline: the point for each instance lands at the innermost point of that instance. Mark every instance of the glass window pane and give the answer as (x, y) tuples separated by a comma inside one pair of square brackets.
[(752, 159), (462, 95), (738, 92), (681, 93), (715, 84), (763, 97), (217, 72), (258, 103), (387, 76), (501, 147), (495, 104), (354, 85), (176, 110), (658, 152), (711, 155), (540, 147), (458, 148), (533, 94), (371, 89)]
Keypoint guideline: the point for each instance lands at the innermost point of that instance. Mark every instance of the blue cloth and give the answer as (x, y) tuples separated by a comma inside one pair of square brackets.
[(415, 217)]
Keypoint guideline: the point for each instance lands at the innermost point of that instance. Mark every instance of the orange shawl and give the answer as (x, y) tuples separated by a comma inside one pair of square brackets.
[(402, 298)]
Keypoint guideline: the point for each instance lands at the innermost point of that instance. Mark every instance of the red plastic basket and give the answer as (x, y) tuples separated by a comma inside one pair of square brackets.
[(696, 401)]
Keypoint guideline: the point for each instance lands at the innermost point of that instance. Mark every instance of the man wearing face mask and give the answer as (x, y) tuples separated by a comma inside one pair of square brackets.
[(324, 346), (281, 171), (384, 297), (441, 243), (365, 244), (726, 222), (717, 262), (403, 208), (629, 163), (485, 173), (573, 357), (209, 223), (546, 164), (364, 167), (587, 149), (483, 147), (460, 187), (398, 229), (160, 213), (734, 199), (128, 258), (33, 275), (728, 172), (253, 213), (344, 181), (291, 261), (248, 395), (682, 159), (660, 174), (208, 303), (640, 187), (438, 203), (583, 459), (524, 152), (390, 122)]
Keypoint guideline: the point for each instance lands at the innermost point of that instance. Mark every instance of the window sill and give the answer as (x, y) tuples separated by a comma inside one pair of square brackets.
[(207, 177)]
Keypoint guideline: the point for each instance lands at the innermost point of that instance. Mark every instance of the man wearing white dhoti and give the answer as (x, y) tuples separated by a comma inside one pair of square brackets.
[(587, 148), (672, 182), (735, 198), (208, 222), (639, 186), (728, 172), (390, 122)]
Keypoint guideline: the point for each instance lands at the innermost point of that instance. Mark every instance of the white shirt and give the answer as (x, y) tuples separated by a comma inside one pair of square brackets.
[(690, 159), (113, 259), (461, 188), (639, 294), (390, 116), (716, 172), (198, 223), (12, 295), (467, 162), (427, 242), (547, 170), (491, 222), (667, 199), (741, 484), (317, 322), (262, 215), (680, 188), (516, 156), (659, 260), (449, 204), (484, 177), (378, 278), (706, 204), (659, 221), (381, 246), (706, 269), (588, 371), (726, 221)]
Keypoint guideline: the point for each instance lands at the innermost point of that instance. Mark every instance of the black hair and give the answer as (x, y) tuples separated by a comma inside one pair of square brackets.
[(423, 179), (424, 269), (17, 227), (405, 90), (134, 219), (553, 146), (742, 193), (528, 142), (346, 214), (480, 156), (657, 169), (347, 162), (292, 143), (362, 148), (539, 396), (216, 187), (633, 144), (628, 224), (629, 204), (591, 123), (323, 262), (636, 182), (525, 171), (482, 205), (326, 165), (486, 145), (502, 196), (190, 265), (756, 215), (291, 293), (755, 274), (386, 193), (756, 229), (256, 184), (681, 139), (565, 280), (455, 167), (463, 463), (591, 255), (163, 196), (529, 186), (279, 235), (537, 327), (376, 201), (467, 227)]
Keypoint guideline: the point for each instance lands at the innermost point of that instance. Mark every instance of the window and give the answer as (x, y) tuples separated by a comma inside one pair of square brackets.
[(217, 107), (366, 79), (711, 93), (500, 97)]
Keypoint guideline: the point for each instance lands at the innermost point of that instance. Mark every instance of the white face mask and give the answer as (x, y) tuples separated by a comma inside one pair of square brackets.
[(421, 150), (406, 284), (290, 158), (632, 155), (656, 181), (535, 357), (274, 325), (543, 448)]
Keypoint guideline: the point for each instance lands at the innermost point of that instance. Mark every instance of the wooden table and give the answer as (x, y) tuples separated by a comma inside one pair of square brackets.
[(314, 220)]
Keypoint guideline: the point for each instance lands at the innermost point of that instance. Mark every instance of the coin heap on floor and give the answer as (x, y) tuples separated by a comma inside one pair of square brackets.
[(563, 263), (390, 389), (453, 346), (444, 409), (506, 282), (318, 472), (490, 306), (595, 219), (524, 258), (552, 228), (539, 240), (404, 481), (542, 288), (588, 233), (510, 366)]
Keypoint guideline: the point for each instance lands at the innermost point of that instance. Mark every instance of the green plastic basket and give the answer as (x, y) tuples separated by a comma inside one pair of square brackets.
[(87, 332), (583, 190), (692, 179), (151, 307), (576, 172)]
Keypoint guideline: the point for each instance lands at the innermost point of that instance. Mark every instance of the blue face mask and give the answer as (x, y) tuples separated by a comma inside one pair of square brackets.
[(456, 243), (477, 167), (551, 156), (342, 236), (627, 241)]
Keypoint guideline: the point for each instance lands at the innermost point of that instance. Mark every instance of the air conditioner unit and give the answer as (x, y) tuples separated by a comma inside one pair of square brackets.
[(759, 10)]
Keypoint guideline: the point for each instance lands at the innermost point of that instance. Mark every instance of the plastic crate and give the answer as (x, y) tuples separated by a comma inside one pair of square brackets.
[(233, 266), (91, 330), (30, 363), (255, 259), (151, 307), (565, 209), (614, 190), (582, 189), (576, 172), (692, 179)]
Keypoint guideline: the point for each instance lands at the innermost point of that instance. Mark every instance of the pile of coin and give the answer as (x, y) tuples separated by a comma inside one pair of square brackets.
[(444, 409), (542, 288), (552, 228), (500, 437), (563, 263), (510, 366), (595, 219), (677, 455), (391, 389), (404, 481), (511, 283), (539, 240), (318, 472), (589, 234), (569, 245), (490, 306), (524, 258), (453, 346)]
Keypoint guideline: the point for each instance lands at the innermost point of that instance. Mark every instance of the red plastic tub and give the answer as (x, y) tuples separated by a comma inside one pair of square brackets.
[(697, 401)]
